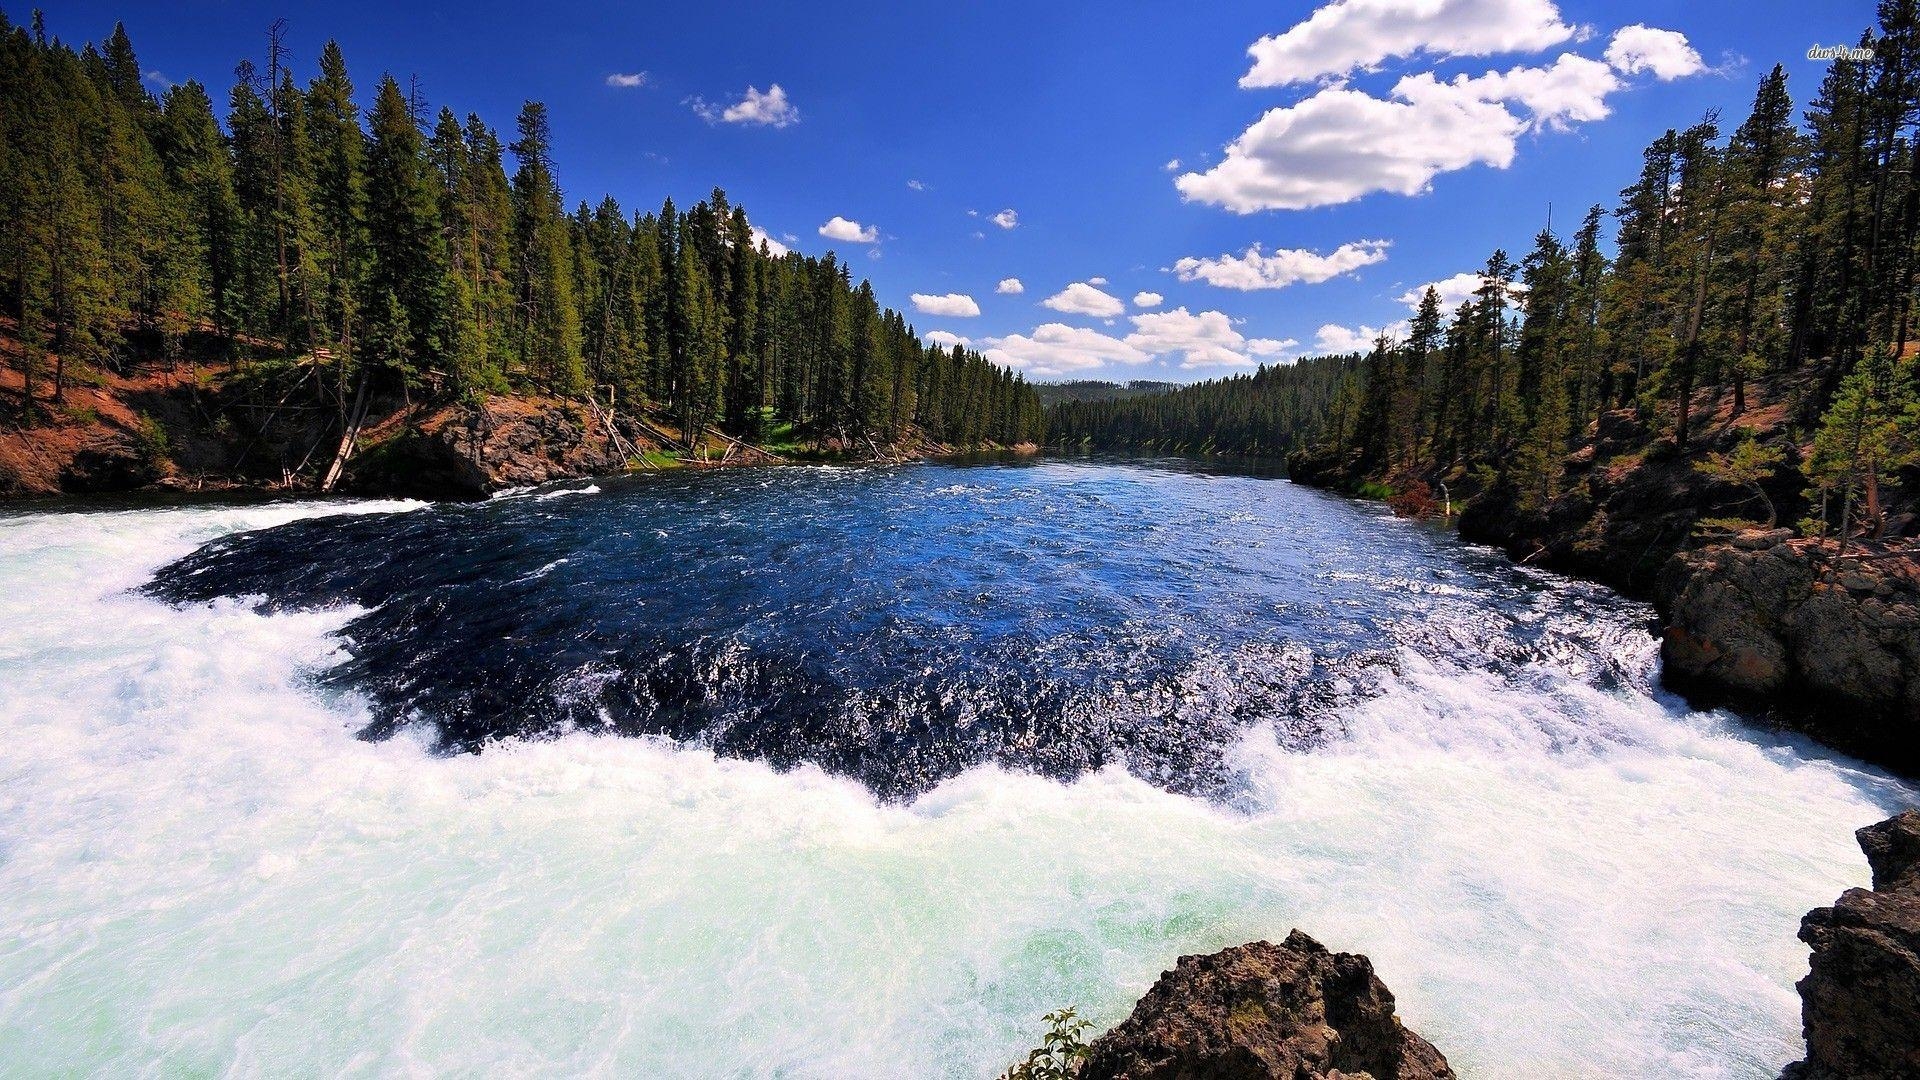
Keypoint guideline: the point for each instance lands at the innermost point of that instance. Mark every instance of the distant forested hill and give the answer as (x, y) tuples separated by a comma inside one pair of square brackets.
[(1097, 390), (1269, 411)]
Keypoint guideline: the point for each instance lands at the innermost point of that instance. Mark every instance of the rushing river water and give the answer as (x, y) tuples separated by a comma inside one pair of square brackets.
[(815, 772)]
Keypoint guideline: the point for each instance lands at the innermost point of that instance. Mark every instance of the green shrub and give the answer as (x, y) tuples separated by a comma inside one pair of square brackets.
[(154, 445), (1059, 1055)]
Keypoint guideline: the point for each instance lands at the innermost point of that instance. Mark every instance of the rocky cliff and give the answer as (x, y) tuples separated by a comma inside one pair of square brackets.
[(1266, 1012), (1860, 1001), (1823, 640)]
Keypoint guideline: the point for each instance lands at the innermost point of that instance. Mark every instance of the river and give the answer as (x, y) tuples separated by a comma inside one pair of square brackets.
[(811, 772)]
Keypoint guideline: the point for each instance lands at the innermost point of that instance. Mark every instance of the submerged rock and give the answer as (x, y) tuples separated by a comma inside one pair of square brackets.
[(1258, 1011), (1766, 622), (1860, 1001)]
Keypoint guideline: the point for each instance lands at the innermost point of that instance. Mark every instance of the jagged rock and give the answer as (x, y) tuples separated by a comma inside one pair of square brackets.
[(1830, 647), (1860, 1001), (472, 450), (1260, 1011)]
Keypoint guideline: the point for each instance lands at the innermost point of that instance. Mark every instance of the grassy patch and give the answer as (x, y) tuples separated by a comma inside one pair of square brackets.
[(657, 459), (1373, 489)]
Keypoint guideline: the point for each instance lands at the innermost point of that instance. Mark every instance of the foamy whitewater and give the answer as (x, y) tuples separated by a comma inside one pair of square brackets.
[(203, 871)]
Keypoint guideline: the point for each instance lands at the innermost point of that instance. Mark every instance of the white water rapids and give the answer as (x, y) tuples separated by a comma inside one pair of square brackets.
[(202, 871)]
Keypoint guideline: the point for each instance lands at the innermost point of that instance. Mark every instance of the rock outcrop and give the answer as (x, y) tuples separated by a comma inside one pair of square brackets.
[(1260, 1011), (1787, 627), (473, 450), (1860, 1001)]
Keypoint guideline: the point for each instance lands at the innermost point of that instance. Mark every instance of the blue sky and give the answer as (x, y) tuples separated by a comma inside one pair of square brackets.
[(1359, 157)]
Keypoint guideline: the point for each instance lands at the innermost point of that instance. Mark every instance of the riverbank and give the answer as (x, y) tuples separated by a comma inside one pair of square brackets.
[(201, 427), (1796, 631)]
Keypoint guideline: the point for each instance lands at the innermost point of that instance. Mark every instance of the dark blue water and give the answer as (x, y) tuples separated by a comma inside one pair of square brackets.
[(902, 624)]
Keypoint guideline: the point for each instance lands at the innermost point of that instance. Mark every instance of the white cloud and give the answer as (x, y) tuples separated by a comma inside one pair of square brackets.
[(1006, 219), (1348, 35), (1334, 338), (774, 247), (1454, 291), (1096, 281), (945, 338), (1056, 349), (1286, 266), (1340, 144), (953, 305), (1665, 53), (1081, 298), (1172, 165), (157, 80), (770, 109), (1206, 339), (1148, 299), (852, 232), (1010, 287), (627, 80), (916, 185)]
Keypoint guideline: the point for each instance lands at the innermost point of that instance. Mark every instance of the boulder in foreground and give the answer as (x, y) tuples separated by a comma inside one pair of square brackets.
[(1260, 1011)]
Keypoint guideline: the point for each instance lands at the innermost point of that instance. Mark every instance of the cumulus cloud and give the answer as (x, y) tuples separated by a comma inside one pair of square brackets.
[(1057, 349), (774, 247), (627, 80), (769, 109), (1172, 165), (1096, 281), (1334, 338), (1082, 298), (1006, 219), (916, 185), (1010, 287), (1286, 266), (1340, 144), (1349, 35), (1203, 339), (1148, 299), (1206, 339), (852, 232), (1663, 53), (1455, 290), (954, 305), (945, 338)]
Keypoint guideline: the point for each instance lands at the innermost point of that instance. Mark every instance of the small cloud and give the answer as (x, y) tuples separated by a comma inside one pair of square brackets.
[(1096, 281), (770, 109), (852, 232), (627, 80), (1010, 287), (1663, 53), (1256, 269), (1006, 219), (158, 80), (1172, 165), (1334, 338), (945, 338), (1148, 299), (952, 305), (1081, 298), (978, 235), (917, 185), (760, 238)]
